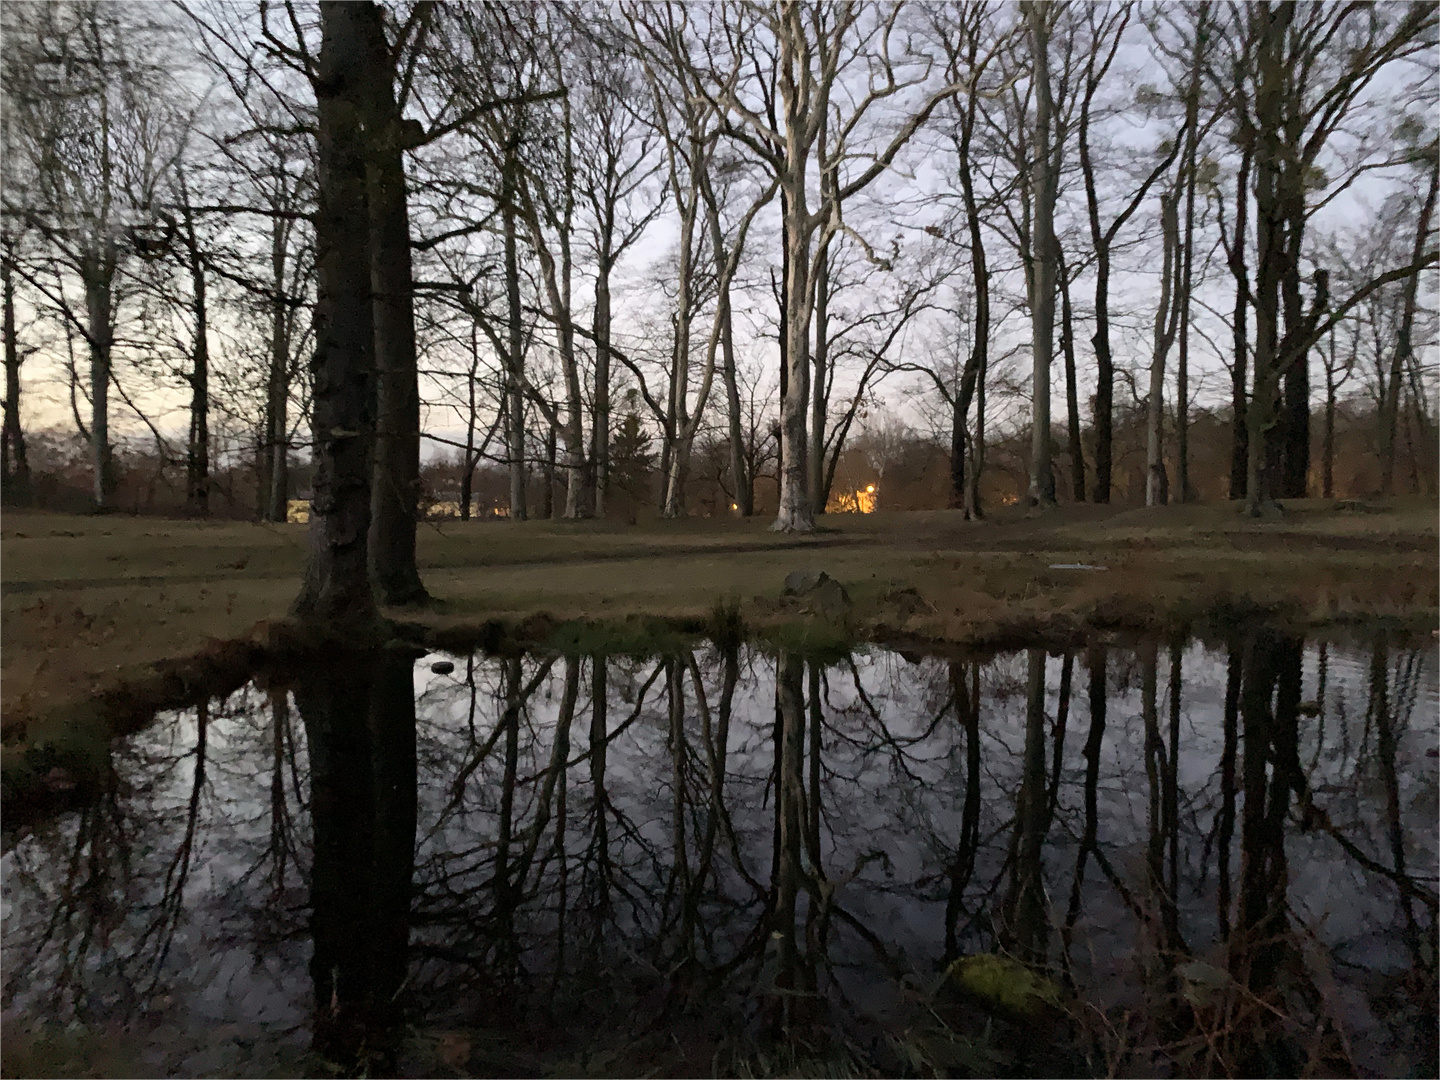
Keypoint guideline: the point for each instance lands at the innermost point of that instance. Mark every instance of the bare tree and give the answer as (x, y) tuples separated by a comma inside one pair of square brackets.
[(336, 588), (1047, 152), (100, 125)]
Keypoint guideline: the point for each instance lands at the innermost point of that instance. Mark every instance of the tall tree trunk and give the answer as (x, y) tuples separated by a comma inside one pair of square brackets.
[(1327, 447), (1272, 25), (515, 428), (739, 469), (1072, 396), (12, 441), (1104, 408), (1042, 281), (396, 494), (468, 462), (1185, 271), (549, 508), (679, 429), (99, 278), (965, 483), (1239, 424), (820, 358), (276, 487), (197, 450), (336, 587), (1390, 405), (197, 455), (795, 512), (1293, 433), (815, 455), (1156, 480), (600, 428)]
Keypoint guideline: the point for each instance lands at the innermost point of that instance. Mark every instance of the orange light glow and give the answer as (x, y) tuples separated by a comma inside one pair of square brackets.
[(858, 502)]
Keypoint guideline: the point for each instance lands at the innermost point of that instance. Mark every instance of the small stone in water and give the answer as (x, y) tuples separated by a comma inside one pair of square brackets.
[(442, 667)]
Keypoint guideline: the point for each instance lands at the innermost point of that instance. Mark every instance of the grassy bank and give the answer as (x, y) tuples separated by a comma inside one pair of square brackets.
[(92, 604)]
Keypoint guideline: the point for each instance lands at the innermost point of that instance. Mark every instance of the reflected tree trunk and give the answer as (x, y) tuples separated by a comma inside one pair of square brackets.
[(359, 717), (1095, 662), (790, 815), (1226, 827), (503, 885), (1271, 674), (965, 686), (1023, 923), (1382, 714)]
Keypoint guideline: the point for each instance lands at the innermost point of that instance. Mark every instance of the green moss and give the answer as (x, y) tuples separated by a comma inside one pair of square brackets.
[(1003, 983)]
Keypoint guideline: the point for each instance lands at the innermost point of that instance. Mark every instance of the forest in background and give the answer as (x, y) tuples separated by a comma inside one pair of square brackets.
[(711, 258)]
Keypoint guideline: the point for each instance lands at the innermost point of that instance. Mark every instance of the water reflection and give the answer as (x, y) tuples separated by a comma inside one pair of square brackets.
[(1224, 854)]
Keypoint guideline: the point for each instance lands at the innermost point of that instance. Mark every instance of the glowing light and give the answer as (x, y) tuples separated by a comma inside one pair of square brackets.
[(734, 506), (861, 501)]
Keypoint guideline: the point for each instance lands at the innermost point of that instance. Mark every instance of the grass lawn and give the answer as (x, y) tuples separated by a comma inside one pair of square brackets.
[(89, 602)]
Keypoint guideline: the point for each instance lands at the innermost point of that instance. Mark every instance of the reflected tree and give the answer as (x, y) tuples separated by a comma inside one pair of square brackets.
[(359, 717)]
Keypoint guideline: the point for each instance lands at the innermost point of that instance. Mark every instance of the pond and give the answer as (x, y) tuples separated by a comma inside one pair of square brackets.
[(1155, 857)]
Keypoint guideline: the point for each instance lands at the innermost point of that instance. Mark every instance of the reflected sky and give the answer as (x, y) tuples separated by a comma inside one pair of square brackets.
[(571, 855)]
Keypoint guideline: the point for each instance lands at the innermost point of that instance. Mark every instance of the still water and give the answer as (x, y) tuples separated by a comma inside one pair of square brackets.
[(1221, 857)]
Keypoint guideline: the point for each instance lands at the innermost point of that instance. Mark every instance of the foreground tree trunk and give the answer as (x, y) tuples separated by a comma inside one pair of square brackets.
[(1262, 414), (600, 428), (16, 473), (1042, 281), (1072, 396), (396, 484), (336, 588), (515, 428), (1157, 487), (197, 454), (1240, 429), (99, 278), (276, 493)]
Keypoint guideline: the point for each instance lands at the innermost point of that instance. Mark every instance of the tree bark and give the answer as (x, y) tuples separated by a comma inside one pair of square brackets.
[(275, 496), (600, 428), (197, 453), (336, 588), (1166, 313), (396, 491), (680, 432), (1390, 406), (1186, 276), (1042, 298), (1072, 398), (1271, 25), (1239, 424), (1327, 447), (515, 428), (99, 277), (16, 471), (972, 380), (197, 456)]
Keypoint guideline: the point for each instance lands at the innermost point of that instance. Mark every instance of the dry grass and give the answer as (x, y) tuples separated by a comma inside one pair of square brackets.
[(88, 601)]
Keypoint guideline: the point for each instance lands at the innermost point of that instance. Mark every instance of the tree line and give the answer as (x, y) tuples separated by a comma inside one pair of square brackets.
[(313, 238)]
